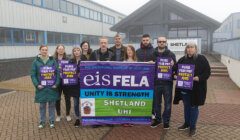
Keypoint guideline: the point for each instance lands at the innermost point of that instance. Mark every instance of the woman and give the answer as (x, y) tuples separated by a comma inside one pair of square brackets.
[(130, 55), (196, 97), (45, 78), (74, 90), (86, 51), (61, 57)]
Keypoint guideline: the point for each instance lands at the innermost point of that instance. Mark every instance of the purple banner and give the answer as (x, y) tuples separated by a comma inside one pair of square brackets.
[(69, 74), (47, 75), (185, 76), (164, 68), (116, 92)]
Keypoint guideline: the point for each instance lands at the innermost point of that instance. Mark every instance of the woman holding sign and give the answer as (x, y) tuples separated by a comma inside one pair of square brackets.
[(61, 57), (45, 77), (193, 72), (71, 83)]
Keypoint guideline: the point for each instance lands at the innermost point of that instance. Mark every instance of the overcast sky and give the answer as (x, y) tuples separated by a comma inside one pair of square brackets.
[(216, 9)]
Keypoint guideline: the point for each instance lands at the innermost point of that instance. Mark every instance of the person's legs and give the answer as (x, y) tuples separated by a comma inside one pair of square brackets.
[(42, 111), (58, 104), (193, 116), (167, 95), (187, 108), (51, 111), (68, 104), (77, 112), (157, 106)]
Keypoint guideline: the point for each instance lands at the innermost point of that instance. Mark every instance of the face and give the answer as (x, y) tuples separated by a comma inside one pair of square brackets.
[(103, 44), (85, 47), (118, 40), (161, 41), (44, 51), (77, 52), (146, 41), (191, 50), (60, 50), (129, 52)]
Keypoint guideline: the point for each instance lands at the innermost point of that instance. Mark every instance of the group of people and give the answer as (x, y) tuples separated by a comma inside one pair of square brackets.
[(192, 99)]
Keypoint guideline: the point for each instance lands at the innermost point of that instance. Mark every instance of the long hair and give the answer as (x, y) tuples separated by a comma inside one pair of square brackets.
[(89, 48), (191, 44), (134, 53), (56, 53), (74, 48)]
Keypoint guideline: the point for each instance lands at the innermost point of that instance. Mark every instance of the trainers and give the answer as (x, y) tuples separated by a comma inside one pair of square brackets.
[(58, 119), (183, 127), (52, 125), (41, 125), (192, 132), (68, 118), (77, 123), (166, 126), (155, 123)]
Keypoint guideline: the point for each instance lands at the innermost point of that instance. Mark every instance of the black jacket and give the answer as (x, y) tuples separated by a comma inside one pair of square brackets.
[(166, 53), (145, 53), (73, 90), (98, 56), (199, 91), (123, 51)]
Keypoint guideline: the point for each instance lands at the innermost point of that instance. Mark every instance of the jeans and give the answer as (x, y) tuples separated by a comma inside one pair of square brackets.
[(190, 112), (166, 92), (76, 107), (51, 111), (67, 103)]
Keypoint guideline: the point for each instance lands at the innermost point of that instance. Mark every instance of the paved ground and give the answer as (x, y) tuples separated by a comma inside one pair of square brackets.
[(219, 118)]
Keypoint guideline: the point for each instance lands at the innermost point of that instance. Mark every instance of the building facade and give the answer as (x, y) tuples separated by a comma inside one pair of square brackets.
[(25, 24), (168, 18)]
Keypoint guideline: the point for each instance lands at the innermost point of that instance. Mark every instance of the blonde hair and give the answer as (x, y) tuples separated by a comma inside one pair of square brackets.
[(74, 48), (194, 45)]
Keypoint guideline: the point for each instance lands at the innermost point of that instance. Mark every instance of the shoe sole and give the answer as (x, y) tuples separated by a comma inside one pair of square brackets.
[(155, 126), (183, 129), (166, 128)]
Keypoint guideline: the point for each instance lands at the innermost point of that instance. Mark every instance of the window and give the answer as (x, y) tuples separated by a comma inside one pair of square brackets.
[(5, 36), (27, 1), (91, 13), (182, 32), (29, 37), (192, 33), (172, 34), (75, 9), (202, 34), (56, 5), (39, 37), (63, 6), (99, 16), (69, 8), (48, 4), (18, 36), (81, 11), (173, 16), (58, 39), (71, 39), (86, 13), (54, 38), (50, 37), (37, 2), (105, 18)]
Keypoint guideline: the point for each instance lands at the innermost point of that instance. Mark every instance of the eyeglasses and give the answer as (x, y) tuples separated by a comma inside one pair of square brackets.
[(161, 41)]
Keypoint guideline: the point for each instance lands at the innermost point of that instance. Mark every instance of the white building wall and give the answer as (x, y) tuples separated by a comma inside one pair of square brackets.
[(18, 15), (233, 67)]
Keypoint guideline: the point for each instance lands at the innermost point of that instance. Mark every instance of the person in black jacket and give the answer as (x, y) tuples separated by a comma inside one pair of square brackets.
[(196, 97), (86, 51), (74, 90), (118, 49), (61, 57), (144, 53), (163, 87), (103, 53)]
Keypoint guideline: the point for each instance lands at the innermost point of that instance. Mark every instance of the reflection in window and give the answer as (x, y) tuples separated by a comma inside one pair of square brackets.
[(39, 37), (48, 4), (69, 8), (63, 6), (56, 5), (192, 33), (86, 13), (26, 1), (5, 36), (18, 36), (29, 37), (75, 9), (37, 2)]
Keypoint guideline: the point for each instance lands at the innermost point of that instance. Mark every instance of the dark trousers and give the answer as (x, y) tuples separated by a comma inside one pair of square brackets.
[(166, 92), (67, 102), (190, 112)]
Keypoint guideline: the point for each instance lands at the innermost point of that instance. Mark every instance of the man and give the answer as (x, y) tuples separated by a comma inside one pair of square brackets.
[(118, 49), (163, 87), (103, 53), (144, 53)]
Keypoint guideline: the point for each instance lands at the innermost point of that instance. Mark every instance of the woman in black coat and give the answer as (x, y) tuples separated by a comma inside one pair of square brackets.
[(196, 97)]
